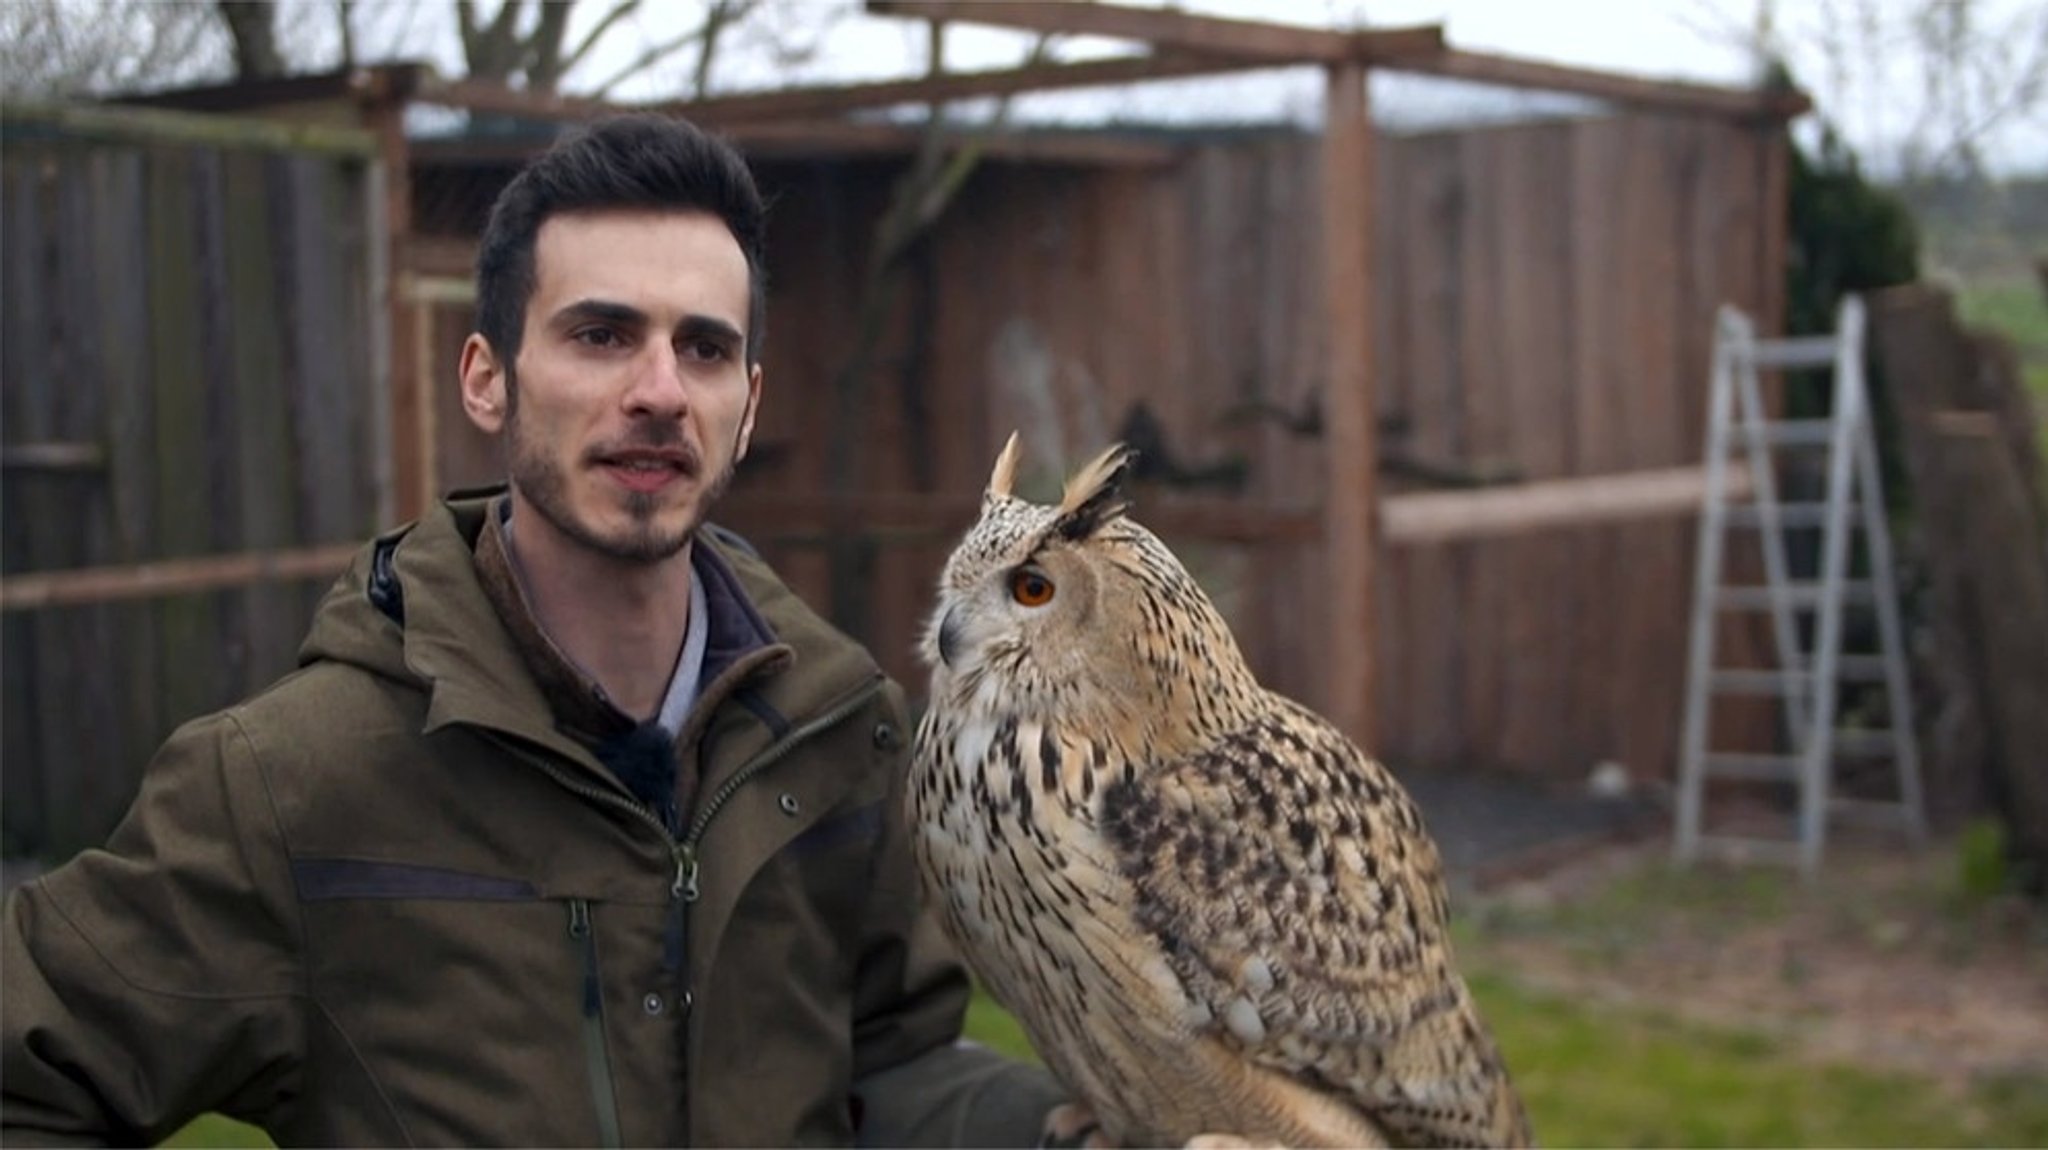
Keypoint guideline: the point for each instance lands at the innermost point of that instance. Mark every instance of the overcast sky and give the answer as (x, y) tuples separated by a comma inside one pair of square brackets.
[(1856, 57)]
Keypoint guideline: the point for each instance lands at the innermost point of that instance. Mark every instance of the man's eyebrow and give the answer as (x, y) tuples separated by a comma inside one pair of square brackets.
[(709, 327), (602, 310)]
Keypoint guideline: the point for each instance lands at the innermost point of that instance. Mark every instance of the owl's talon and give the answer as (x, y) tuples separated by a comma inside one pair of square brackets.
[(1072, 1126), (1224, 1142)]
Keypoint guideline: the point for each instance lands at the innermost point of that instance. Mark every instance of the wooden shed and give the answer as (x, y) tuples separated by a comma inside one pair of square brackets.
[(1422, 410)]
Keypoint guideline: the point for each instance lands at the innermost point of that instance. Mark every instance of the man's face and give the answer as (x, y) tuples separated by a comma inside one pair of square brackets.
[(631, 402)]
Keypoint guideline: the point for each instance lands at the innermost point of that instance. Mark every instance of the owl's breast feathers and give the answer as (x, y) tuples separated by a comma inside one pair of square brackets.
[(1271, 900)]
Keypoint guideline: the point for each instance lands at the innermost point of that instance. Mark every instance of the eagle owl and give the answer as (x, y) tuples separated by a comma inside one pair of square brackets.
[(1212, 914)]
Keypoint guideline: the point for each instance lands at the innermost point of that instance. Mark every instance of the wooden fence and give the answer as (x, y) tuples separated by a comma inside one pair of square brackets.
[(1545, 292), (189, 381), (1545, 297), (205, 312)]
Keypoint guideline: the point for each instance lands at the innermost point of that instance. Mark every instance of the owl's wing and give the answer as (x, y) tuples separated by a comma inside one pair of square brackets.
[(1288, 881)]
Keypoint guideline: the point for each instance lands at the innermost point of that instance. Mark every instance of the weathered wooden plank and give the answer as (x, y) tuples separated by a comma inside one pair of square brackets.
[(1664, 556), (93, 738), (323, 371), (1542, 507), (172, 577), (121, 212), (1392, 651), (1598, 438), (1289, 460), (1534, 394), (24, 370), (1486, 590), (1350, 434), (62, 652), (161, 128), (190, 659), (1429, 230), (1655, 95), (264, 481), (413, 484), (1245, 39)]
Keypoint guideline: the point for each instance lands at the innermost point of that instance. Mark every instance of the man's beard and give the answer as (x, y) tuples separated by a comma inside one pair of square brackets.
[(544, 483)]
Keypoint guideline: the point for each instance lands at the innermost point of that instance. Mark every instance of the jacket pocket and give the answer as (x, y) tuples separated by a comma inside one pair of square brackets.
[(321, 879), (597, 1057), (856, 826)]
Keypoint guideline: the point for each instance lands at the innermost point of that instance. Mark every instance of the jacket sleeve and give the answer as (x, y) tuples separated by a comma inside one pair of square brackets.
[(157, 979), (917, 1083)]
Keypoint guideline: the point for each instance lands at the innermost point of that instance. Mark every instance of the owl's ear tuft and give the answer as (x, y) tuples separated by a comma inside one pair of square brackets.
[(1004, 477), (1093, 496)]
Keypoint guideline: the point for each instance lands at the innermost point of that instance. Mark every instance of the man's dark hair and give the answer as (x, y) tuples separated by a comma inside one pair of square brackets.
[(631, 161)]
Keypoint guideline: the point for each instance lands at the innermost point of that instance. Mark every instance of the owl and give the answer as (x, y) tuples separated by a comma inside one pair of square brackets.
[(1216, 919)]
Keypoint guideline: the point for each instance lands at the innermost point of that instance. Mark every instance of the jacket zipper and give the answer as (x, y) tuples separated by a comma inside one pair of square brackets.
[(686, 851), (610, 798), (683, 888), (596, 1056)]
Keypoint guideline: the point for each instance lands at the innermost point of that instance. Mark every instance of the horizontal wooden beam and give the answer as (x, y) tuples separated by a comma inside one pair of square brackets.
[(830, 100), (57, 456), (268, 93), (1431, 517), (25, 123), (772, 516), (1246, 40), (498, 99), (810, 139), (1406, 519), (1414, 49), (1547, 505), (87, 585), (1663, 95)]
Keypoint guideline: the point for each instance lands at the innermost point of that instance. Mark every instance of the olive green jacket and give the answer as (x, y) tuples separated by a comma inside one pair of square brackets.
[(387, 901)]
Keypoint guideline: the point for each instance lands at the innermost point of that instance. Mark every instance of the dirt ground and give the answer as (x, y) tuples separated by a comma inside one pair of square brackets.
[(1882, 961)]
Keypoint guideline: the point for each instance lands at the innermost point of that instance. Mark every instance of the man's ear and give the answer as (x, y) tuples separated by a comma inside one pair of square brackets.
[(747, 420), (483, 385)]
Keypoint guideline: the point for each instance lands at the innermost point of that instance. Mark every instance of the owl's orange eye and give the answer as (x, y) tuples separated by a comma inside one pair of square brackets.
[(1031, 588)]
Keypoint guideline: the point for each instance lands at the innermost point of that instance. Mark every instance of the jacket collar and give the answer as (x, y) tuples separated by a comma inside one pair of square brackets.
[(453, 642)]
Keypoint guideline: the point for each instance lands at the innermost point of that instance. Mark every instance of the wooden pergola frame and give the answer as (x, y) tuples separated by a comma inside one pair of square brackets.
[(1177, 45)]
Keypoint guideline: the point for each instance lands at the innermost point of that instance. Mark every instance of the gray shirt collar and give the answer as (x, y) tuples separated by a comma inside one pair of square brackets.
[(685, 682)]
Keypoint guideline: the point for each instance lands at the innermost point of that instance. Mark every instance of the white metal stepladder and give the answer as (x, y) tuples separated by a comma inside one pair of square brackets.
[(1807, 681)]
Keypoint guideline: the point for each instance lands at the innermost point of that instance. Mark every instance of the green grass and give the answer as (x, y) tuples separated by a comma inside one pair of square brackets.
[(218, 1130), (1603, 1076), (1597, 1076), (1600, 1076), (2018, 309)]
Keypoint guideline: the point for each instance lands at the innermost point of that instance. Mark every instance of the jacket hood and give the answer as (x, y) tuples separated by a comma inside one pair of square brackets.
[(411, 608)]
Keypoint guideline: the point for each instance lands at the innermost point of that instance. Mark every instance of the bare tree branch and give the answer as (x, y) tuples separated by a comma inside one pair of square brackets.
[(543, 49), (645, 60), (343, 13), (252, 24), (721, 15), (576, 55)]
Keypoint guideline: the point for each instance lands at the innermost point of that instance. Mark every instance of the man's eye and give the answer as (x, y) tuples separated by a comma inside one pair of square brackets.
[(705, 350), (598, 337)]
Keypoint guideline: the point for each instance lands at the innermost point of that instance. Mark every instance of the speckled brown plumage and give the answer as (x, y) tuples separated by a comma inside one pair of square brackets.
[(1210, 911)]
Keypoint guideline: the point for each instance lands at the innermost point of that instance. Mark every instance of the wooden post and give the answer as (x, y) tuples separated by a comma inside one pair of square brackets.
[(1351, 452), (1775, 213), (384, 113)]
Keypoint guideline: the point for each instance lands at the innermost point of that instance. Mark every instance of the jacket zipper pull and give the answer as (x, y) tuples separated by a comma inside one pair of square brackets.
[(685, 886), (579, 918)]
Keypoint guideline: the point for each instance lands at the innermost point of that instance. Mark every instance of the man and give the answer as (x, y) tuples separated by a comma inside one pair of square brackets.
[(574, 826)]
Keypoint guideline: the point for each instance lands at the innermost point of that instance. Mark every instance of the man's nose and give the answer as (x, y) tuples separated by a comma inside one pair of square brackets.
[(659, 386)]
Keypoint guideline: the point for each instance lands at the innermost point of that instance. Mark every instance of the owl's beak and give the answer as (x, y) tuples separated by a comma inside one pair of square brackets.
[(949, 637)]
